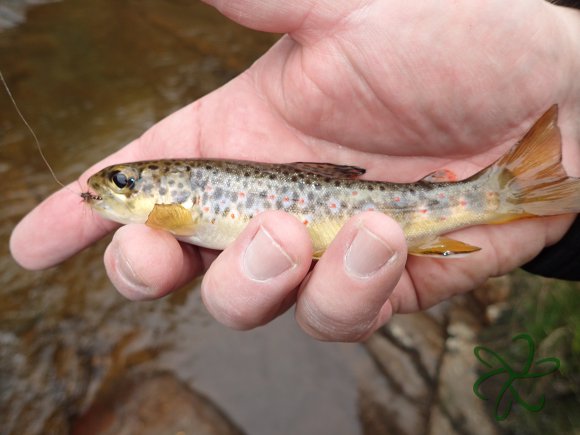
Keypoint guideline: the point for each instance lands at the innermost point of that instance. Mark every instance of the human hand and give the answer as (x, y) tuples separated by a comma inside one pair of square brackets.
[(399, 88)]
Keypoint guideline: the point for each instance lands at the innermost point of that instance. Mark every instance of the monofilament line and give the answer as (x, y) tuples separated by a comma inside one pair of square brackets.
[(31, 131)]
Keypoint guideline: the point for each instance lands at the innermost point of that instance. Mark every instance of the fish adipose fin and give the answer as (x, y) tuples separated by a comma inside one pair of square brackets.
[(173, 218), (531, 177), (328, 169), (443, 247), (440, 176)]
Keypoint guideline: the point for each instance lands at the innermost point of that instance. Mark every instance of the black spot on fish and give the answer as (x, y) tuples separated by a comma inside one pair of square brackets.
[(246, 174), (217, 194), (162, 191), (208, 167), (180, 185), (171, 182), (381, 188), (370, 188), (153, 167), (294, 179), (337, 183), (272, 176)]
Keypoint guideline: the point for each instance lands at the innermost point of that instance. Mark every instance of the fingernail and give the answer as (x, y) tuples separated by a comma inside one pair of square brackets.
[(128, 274), (264, 258), (367, 254)]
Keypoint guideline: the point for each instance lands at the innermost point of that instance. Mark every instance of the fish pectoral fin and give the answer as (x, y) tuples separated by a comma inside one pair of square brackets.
[(171, 217), (443, 247), (328, 169), (440, 176)]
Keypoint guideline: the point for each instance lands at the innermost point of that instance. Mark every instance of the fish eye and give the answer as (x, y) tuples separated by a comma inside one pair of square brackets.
[(122, 181)]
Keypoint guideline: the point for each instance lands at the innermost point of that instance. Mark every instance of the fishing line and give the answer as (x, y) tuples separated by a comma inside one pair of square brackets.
[(32, 133)]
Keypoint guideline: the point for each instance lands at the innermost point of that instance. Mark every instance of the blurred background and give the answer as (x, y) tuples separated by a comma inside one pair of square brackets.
[(75, 357)]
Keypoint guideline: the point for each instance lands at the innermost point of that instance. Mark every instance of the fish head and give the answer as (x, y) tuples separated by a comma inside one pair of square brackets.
[(125, 193)]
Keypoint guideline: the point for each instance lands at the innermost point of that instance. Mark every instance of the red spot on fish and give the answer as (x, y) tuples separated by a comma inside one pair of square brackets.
[(462, 203), (232, 215), (305, 221), (286, 199), (301, 201), (206, 209), (332, 205), (354, 193), (396, 199), (271, 197), (423, 210), (241, 194), (443, 218), (441, 195)]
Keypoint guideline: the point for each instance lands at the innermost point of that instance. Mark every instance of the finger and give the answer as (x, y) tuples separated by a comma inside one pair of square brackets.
[(255, 279), (145, 263), (345, 297), (56, 229)]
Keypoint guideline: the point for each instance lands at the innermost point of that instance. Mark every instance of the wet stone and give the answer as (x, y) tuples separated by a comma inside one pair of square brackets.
[(159, 404)]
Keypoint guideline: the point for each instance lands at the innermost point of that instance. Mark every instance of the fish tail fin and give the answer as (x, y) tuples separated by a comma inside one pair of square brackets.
[(532, 179)]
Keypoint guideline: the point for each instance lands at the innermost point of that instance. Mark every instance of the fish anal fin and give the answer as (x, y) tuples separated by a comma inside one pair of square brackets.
[(443, 247), (440, 176), (328, 169), (173, 218)]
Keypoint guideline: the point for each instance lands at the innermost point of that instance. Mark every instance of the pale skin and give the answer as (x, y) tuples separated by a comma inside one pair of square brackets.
[(400, 88)]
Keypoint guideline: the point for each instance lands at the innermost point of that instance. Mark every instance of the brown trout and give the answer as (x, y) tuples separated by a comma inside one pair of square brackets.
[(209, 202)]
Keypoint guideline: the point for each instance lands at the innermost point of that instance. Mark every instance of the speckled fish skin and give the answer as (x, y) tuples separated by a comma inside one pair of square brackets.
[(225, 195), (220, 196)]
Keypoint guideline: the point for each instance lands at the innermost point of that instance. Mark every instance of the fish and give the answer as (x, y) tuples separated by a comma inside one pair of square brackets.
[(208, 202)]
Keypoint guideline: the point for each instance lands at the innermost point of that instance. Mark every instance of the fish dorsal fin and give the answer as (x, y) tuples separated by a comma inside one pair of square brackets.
[(173, 218), (328, 169), (440, 176), (443, 247)]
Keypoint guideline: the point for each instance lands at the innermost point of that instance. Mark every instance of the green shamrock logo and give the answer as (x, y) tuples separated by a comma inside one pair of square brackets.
[(499, 366)]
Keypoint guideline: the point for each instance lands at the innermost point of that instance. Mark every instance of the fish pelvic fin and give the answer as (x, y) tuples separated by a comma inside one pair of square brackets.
[(532, 180)]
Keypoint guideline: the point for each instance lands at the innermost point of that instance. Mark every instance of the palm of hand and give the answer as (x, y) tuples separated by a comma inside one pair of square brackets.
[(401, 90), (444, 93)]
